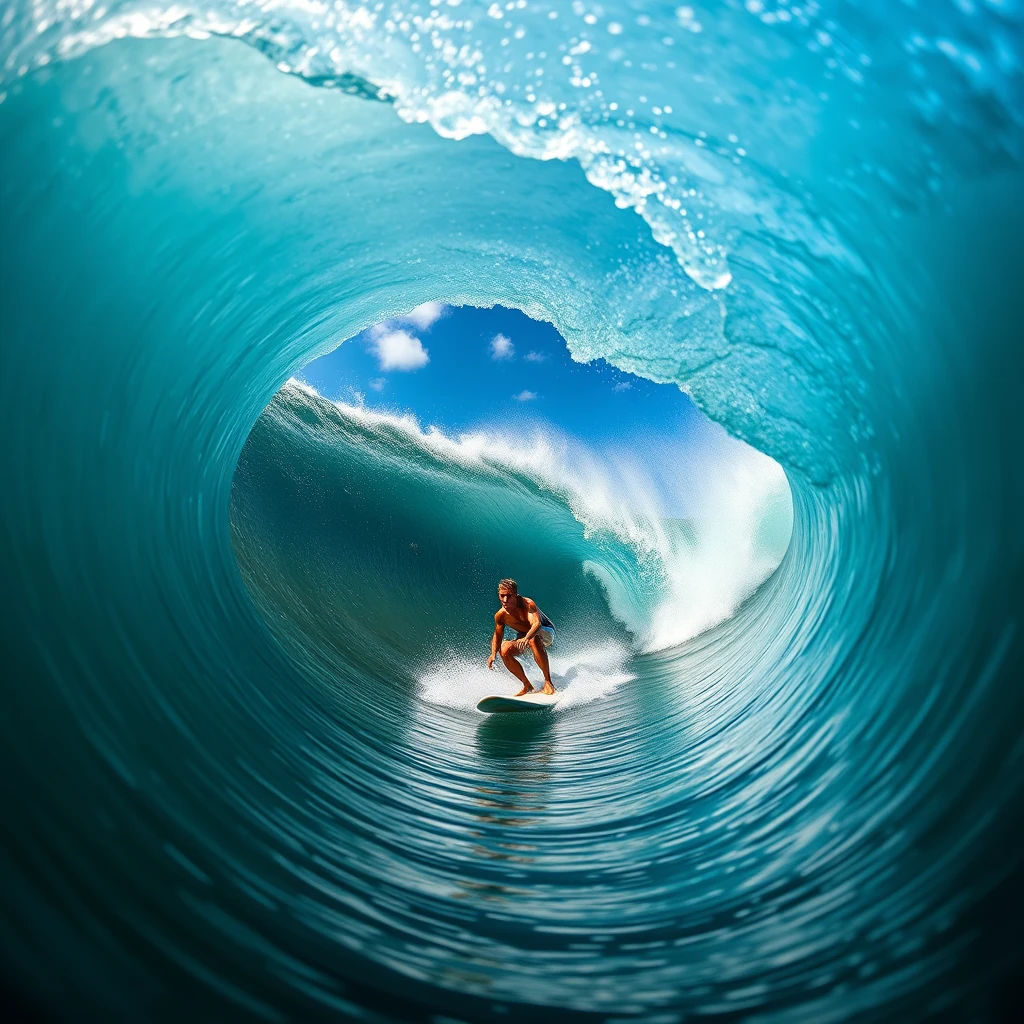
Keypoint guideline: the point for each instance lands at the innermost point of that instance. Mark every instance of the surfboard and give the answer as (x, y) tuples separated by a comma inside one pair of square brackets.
[(527, 702)]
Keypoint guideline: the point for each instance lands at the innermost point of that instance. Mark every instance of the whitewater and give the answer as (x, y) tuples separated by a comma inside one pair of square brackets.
[(238, 783)]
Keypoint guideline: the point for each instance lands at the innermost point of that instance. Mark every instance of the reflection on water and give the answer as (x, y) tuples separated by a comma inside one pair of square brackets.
[(521, 748), (519, 741)]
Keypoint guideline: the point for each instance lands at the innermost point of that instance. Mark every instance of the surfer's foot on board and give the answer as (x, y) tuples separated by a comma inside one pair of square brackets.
[(548, 687), (527, 688)]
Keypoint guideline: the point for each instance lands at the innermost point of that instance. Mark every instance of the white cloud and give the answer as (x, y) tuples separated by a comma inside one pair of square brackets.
[(525, 396), (398, 350), (536, 357), (424, 315), (623, 385), (378, 383), (501, 347)]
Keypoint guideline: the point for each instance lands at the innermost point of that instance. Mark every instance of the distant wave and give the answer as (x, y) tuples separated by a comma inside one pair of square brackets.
[(666, 577)]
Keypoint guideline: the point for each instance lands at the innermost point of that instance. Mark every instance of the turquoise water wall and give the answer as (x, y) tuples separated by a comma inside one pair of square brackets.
[(810, 812)]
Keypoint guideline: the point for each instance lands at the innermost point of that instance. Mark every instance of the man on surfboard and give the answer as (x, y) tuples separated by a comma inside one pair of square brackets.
[(535, 631)]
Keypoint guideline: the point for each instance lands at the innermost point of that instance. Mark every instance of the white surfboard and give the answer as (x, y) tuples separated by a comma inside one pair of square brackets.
[(527, 702)]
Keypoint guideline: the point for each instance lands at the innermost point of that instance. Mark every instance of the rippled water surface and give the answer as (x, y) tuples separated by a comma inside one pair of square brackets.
[(240, 783)]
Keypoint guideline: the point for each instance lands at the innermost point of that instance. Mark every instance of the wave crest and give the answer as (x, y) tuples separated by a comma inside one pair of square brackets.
[(679, 532)]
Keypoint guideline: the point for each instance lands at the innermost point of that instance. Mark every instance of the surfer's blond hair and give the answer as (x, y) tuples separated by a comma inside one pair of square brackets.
[(508, 585)]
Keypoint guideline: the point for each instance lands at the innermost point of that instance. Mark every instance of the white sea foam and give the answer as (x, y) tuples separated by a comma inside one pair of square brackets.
[(738, 530), (581, 677)]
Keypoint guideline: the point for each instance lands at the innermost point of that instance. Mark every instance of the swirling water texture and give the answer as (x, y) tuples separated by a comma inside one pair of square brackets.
[(808, 813)]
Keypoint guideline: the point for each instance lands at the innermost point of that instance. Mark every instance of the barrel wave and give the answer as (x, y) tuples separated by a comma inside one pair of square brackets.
[(238, 781)]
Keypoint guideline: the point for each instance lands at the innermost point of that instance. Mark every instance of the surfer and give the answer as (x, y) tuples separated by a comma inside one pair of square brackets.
[(535, 631)]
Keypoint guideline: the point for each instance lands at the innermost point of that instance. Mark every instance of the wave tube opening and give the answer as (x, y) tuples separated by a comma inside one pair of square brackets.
[(806, 812), (641, 523)]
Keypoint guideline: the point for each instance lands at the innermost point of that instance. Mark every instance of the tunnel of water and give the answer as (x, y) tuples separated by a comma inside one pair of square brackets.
[(228, 792)]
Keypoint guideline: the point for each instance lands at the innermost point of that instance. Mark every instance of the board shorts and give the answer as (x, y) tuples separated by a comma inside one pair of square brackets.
[(546, 635)]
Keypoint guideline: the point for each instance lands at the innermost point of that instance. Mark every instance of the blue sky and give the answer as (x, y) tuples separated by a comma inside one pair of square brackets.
[(462, 367)]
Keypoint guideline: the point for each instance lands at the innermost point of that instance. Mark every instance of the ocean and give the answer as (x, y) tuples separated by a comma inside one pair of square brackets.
[(244, 628)]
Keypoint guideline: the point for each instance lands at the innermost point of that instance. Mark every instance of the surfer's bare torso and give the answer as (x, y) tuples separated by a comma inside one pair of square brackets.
[(519, 619)]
